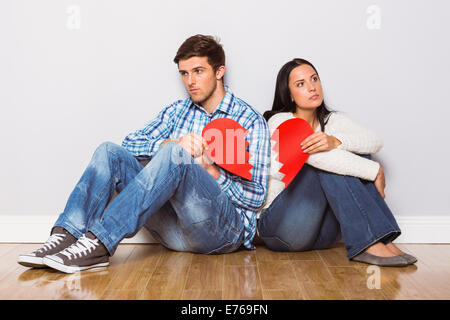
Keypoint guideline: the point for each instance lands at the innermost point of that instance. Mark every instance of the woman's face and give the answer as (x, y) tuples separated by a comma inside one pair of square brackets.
[(305, 87)]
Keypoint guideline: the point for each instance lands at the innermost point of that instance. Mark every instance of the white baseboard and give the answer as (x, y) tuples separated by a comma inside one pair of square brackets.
[(36, 229)]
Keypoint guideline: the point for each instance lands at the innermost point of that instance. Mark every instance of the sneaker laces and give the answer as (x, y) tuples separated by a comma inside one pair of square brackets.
[(52, 242), (84, 246)]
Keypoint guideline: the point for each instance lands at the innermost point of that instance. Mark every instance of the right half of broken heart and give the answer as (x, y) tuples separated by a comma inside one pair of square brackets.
[(288, 136)]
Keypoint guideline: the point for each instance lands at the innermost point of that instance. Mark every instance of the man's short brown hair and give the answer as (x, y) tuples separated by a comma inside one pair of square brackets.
[(202, 46)]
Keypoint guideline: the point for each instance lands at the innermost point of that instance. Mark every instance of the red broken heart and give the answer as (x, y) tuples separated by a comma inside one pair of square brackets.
[(226, 146), (288, 137)]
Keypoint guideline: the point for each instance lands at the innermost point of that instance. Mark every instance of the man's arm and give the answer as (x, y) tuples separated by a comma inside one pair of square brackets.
[(148, 140)]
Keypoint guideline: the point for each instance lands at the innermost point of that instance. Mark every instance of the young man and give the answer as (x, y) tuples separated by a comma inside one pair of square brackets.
[(189, 205)]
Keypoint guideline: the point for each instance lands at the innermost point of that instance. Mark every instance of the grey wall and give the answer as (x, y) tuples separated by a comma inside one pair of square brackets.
[(76, 73)]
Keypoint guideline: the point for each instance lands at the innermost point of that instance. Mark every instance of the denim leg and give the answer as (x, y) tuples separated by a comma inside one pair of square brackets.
[(294, 220), (111, 165), (165, 227), (330, 231), (381, 203), (370, 186), (362, 221), (209, 221)]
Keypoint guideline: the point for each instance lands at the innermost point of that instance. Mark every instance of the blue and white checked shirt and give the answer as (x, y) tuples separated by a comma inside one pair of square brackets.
[(184, 116)]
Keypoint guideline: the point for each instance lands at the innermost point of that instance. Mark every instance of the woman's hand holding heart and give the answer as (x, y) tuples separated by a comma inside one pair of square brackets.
[(318, 142)]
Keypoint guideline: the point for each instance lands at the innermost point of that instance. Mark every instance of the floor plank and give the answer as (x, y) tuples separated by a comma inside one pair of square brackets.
[(354, 284), (205, 276), (277, 275), (316, 281), (169, 278), (282, 295), (134, 272), (242, 283), (242, 257)]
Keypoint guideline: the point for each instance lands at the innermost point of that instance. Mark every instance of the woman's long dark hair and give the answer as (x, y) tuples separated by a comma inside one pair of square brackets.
[(282, 101)]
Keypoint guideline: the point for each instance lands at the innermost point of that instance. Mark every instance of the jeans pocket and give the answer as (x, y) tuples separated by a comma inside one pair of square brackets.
[(198, 234)]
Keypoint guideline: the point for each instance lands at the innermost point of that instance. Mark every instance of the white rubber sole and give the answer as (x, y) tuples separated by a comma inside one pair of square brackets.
[(70, 269), (31, 261)]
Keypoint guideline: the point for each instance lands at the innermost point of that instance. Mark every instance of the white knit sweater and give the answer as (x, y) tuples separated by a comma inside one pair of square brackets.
[(341, 160)]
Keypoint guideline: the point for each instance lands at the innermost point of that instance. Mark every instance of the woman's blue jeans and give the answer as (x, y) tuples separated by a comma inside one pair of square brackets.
[(317, 207), (173, 196)]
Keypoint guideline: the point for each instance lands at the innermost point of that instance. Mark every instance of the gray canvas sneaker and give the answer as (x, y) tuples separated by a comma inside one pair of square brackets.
[(59, 240), (87, 253)]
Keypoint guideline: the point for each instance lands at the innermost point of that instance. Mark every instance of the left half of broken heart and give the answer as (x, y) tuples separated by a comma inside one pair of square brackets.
[(227, 146)]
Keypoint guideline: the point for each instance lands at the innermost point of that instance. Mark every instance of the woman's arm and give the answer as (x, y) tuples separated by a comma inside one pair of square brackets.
[(330, 159), (345, 163), (353, 137)]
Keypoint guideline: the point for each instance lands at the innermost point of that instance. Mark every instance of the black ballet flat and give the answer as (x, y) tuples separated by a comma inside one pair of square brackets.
[(397, 261)]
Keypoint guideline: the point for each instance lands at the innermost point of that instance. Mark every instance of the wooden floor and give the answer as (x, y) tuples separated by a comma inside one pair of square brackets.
[(152, 272)]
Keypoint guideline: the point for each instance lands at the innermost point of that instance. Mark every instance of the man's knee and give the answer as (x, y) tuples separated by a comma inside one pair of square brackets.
[(106, 147), (108, 152)]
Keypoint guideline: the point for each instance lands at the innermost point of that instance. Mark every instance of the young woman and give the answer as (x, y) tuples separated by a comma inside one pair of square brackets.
[(339, 190)]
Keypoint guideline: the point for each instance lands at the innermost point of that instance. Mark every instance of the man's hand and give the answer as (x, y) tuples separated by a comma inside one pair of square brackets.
[(318, 142), (380, 182), (208, 164), (193, 143)]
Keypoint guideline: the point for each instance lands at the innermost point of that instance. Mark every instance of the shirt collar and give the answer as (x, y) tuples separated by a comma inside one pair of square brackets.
[(225, 106)]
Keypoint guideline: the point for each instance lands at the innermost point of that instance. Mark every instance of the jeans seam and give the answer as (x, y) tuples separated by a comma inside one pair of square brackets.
[(111, 179), (278, 239), (359, 206), (97, 202), (227, 243)]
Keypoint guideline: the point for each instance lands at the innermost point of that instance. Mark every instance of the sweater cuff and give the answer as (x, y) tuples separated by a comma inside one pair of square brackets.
[(373, 169), (341, 138)]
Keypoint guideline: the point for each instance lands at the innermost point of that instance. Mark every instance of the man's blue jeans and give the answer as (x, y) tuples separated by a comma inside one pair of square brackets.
[(173, 196), (318, 206)]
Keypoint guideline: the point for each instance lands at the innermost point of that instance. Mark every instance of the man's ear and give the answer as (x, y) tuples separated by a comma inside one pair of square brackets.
[(220, 72)]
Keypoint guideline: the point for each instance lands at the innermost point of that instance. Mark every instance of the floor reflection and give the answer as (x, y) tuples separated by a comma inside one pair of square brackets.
[(51, 284)]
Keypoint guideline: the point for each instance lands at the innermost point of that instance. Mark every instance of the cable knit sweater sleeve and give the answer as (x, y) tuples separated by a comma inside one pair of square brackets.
[(354, 138), (341, 160), (345, 163)]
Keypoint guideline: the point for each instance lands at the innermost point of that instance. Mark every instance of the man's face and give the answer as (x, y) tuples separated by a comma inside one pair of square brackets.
[(199, 78)]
